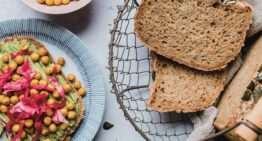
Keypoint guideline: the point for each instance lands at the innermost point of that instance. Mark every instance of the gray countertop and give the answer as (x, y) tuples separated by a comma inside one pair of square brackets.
[(92, 25)]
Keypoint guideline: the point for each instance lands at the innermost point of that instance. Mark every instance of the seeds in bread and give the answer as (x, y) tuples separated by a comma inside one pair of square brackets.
[(182, 89), (202, 34)]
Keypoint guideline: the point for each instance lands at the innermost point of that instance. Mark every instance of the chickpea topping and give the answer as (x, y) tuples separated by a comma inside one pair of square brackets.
[(21, 96), (37, 75), (34, 56), (3, 109), (51, 86), (61, 61), (65, 1), (19, 59), (58, 68), (42, 51), (52, 128), (4, 68), (77, 85), (70, 106), (56, 95), (81, 92), (47, 120), (63, 126), (33, 91), (64, 111), (45, 60), (67, 88), (13, 65), (57, 2), (49, 70), (14, 99), (23, 47), (23, 134), (5, 100), (71, 77), (44, 132), (29, 123), (15, 77), (41, 1), (43, 82), (50, 101), (71, 115), (34, 82), (49, 113), (5, 58), (16, 128), (44, 92)]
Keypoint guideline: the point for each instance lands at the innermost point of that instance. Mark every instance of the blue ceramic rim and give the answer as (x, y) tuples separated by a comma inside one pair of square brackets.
[(77, 50)]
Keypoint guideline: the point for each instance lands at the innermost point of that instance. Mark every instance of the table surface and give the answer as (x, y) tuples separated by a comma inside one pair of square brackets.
[(92, 25)]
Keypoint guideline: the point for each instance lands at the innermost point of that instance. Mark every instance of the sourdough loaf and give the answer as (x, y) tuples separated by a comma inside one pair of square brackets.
[(202, 34), (231, 107)]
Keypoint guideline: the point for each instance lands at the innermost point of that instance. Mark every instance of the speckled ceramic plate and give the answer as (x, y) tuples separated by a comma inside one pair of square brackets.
[(61, 42), (55, 10)]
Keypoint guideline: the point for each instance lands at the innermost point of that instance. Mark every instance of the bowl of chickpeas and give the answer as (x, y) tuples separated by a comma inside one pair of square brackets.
[(56, 7)]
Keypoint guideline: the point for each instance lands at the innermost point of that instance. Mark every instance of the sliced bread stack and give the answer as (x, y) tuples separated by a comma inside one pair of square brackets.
[(200, 37)]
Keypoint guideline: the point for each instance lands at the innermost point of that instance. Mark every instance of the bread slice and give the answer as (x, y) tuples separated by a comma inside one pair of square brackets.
[(182, 89), (231, 107), (202, 34), (79, 98)]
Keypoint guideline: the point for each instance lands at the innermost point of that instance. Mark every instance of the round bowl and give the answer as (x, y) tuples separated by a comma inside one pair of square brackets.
[(57, 10)]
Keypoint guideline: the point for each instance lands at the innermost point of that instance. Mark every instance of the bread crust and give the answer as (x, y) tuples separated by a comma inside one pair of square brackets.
[(192, 64), (79, 99)]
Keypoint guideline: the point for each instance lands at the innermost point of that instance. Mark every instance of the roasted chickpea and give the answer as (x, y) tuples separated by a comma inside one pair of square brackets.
[(49, 113), (51, 86), (4, 68), (5, 58), (50, 101), (15, 128), (14, 99), (70, 106), (81, 92), (49, 70), (29, 123), (42, 51), (34, 56), (43, 82), (61, 61), (15, 77), (3, 109), (41, 1), (13, 65), (56, 95), (52, 128), (44, 92), (64, 111), (65, 1), (21, 96), (71, 115), (34, 82), (45, 60), (67, 88), (77, 85), (33, 91), (5, 100), (57, 2), (23, 47), (63, 126), (37, 75), (47, 120), (19, 59), (23, 134), (44, 132), (71, 77), (58, 68)]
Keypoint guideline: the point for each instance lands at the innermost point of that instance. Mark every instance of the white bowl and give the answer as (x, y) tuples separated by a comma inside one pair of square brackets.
[(56, 10)]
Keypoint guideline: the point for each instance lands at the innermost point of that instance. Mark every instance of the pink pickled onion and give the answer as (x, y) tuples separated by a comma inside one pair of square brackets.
[(58, 117), (4, 77), (58, 105), (13, 55), (26, 70), (42, 87), (18, 85)]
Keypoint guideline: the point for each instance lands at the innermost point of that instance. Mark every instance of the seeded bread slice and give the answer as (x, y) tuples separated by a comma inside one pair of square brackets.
[(202, 34), (182, 89), (231, 107), (80, 114)]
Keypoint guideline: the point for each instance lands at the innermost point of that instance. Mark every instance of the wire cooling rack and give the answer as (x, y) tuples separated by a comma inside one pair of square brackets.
[(130, 74)]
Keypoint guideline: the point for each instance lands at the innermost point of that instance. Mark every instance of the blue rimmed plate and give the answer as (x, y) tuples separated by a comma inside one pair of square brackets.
[(61, 42)]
